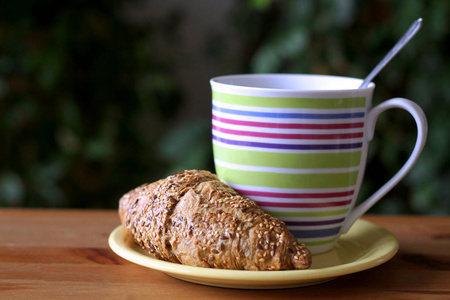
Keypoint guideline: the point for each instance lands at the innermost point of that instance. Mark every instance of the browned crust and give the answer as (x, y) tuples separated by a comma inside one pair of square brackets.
[(194, 219)]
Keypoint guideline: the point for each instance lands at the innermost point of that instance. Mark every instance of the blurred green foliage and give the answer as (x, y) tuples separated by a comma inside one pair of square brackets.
[(83, 103), (88, 108)]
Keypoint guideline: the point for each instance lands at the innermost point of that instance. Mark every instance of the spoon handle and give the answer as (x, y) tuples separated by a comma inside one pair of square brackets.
[(400, 44)]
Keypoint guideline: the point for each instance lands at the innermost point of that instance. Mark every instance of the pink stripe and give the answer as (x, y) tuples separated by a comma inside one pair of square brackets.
[(289, 125), (303, 205), (290, 136), (295, 195)]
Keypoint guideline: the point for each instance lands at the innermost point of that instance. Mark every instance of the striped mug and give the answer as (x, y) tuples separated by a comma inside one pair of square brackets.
[(297, 145)]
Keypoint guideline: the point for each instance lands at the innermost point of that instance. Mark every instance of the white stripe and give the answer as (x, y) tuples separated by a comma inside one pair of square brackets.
[(296, 209), (287, 190), (286, 120), (261, 199), (288, 110), (245, 138), (285, 130), (283, 170), (315, 227)]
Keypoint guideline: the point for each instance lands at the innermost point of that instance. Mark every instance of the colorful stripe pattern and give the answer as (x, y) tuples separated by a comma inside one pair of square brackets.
[(298, 158)]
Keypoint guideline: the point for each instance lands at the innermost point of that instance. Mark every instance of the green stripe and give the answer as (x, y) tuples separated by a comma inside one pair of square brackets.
[(283, 180), (288, 160), (306, 214), (318, 243), (322, 103)]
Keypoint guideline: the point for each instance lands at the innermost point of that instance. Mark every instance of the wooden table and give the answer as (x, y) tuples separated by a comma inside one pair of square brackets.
[(55, 254)]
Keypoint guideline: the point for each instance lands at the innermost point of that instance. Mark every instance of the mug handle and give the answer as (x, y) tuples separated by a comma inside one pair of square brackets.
[(422, 129)]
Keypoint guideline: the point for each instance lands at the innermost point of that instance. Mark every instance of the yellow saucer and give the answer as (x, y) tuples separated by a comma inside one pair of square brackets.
[(365, 246)]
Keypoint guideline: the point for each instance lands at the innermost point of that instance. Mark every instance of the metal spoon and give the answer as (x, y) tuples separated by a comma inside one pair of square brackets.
[(400, 44)]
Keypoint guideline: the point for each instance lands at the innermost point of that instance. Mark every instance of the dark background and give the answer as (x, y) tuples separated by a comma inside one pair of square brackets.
[(98, 97)]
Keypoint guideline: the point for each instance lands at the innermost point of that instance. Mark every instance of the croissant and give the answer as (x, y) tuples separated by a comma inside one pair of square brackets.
[(193, 218)]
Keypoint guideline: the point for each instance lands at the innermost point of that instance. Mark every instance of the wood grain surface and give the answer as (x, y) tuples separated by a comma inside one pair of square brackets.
[(64, 254)]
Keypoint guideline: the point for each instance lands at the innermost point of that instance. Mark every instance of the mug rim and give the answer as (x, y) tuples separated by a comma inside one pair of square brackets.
[(228, 84)]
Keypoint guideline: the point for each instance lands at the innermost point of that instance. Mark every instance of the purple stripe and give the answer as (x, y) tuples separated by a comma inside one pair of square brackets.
[(313, 223), (289, 146), (315, 233)]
